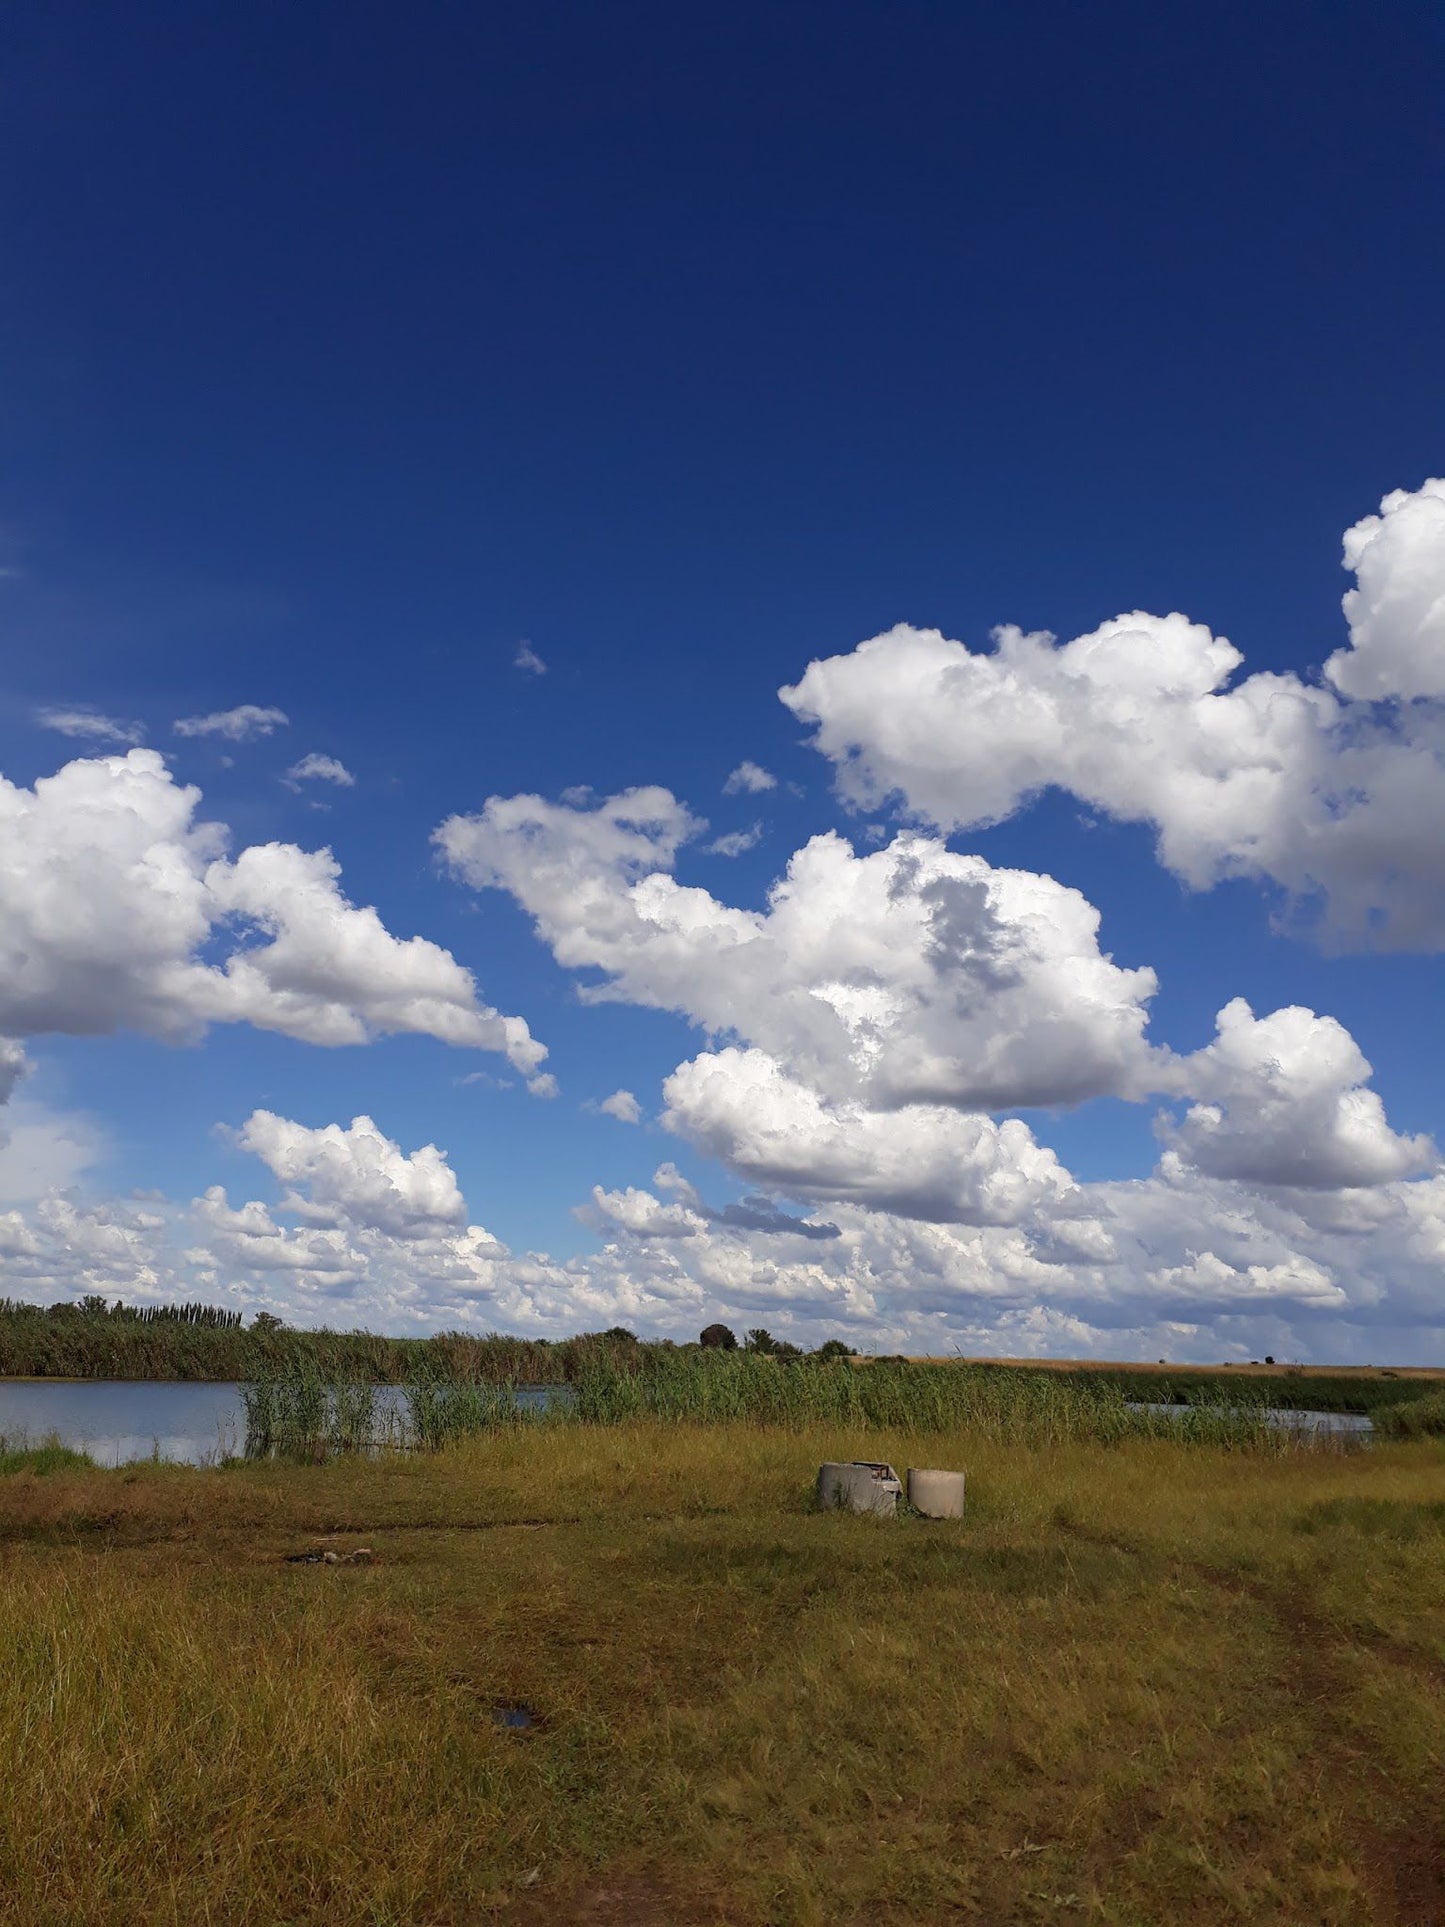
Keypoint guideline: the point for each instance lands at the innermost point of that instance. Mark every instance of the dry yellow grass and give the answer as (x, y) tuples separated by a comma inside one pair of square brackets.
[(1140, 1685)]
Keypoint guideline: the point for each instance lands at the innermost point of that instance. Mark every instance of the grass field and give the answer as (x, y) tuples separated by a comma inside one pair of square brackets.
[(1142, 1684)]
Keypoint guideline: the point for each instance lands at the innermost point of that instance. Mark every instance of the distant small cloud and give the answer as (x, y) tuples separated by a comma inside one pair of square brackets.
[(90, 725), (318, 769), (486, 1079), (750, 778), (528, 659), (238, 725), (578, 796), (544, 1084), (734, 843), (623, 1106)]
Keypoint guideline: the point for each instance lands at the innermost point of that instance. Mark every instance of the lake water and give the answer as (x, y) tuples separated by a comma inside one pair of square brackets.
[(116, 1419), (119, 1419)]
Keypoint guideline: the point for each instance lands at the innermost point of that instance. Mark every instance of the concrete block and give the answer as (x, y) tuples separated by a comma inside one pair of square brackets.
[(937, 1495), (861, 1485)]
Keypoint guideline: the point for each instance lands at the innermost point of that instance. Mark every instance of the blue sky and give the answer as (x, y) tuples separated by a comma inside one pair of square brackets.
[(345, 351)]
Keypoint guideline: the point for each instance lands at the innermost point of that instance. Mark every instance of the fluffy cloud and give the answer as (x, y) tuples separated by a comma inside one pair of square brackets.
[(1271, 776), (316, 768), (356, 1176), (1396, 612), (923, 1161), (239, 725), (749, 779), (110, 889), (61, 1247), (1286, 1105), (910, 975), (623, 1106), (90, 726), (884, 1004)]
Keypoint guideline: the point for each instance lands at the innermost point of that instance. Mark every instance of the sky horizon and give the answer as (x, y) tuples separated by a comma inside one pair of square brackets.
[(785, 669)]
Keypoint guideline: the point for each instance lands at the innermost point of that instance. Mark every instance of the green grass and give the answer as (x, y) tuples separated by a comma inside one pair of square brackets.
[(1141, 1682), (19, 1455)]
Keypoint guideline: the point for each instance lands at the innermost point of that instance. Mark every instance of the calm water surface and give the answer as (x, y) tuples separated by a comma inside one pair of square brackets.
[(118, 1419)]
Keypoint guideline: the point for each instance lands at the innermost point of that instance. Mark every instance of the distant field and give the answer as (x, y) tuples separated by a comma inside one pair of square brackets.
[(1139, 1684), (1321, 1388), (1276, 1370)]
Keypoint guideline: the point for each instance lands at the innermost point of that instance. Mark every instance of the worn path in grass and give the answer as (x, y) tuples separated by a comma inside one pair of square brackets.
[(1141, 1685)]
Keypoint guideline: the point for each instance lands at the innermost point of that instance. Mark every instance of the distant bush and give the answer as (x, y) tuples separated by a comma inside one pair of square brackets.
[(718, 1338)]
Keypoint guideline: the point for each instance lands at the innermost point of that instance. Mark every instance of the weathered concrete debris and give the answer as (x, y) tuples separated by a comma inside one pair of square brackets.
[(864, 1485), (324, 1556)]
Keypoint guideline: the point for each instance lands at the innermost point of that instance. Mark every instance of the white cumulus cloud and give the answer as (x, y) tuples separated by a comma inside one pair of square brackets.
[(923, 1161), (910, 975), (1337, 800), (112, 888), (356, 1177), (1284, 1102)]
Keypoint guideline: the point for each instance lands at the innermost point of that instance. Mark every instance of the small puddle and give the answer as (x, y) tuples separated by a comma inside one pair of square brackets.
[(516, 1717)]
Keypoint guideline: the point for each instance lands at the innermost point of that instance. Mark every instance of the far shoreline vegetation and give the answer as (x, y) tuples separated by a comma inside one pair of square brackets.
[(95, 1338)]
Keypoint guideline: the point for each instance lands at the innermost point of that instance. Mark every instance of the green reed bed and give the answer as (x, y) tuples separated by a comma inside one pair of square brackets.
[(1416, 1418), (298, 1414), (302, 1414), (1039, 1407)]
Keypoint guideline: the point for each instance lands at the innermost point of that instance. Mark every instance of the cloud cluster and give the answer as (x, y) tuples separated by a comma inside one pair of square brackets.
[(119, 908), (879, 996), (1180, 1263), (1333, 792)]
